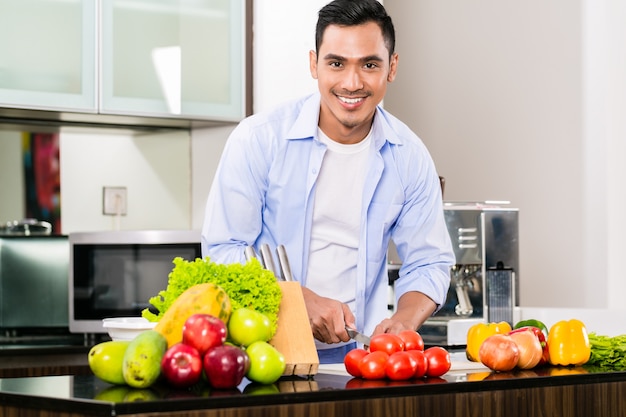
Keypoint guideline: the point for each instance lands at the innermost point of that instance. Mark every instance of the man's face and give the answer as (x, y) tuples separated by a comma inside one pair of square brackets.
[(352, 72)]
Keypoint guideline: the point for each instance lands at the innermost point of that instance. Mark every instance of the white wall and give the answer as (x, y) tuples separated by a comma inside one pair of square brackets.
[(155, 169), (520, 101), (284, 33)]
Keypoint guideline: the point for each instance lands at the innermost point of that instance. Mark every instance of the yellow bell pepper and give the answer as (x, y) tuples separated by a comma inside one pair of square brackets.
[(568, 343), (477, 334)]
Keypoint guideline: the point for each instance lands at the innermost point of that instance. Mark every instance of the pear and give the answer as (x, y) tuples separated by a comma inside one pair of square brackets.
[(106, 359)]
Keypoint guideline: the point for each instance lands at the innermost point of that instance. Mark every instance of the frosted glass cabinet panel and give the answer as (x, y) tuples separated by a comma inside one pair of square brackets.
[(173, 58), (47, 54)]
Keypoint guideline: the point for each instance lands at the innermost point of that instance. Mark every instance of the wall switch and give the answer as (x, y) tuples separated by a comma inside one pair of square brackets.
[(114, 201)]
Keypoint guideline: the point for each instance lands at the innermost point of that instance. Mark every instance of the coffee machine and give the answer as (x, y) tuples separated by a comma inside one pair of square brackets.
[(484, 282)]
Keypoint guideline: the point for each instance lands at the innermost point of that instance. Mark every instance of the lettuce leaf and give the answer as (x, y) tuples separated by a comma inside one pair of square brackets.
[(607, 353), (247, 285)]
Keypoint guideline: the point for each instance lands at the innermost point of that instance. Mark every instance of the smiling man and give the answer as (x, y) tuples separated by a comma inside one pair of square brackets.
[(334, 177)]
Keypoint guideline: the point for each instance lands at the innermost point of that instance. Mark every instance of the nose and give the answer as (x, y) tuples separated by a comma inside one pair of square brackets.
[(352, 80)]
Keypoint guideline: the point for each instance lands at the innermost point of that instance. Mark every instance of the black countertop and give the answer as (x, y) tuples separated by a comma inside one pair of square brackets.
[(86, 394)]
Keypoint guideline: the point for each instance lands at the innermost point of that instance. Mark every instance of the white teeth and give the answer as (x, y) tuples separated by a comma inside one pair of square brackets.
[(350, 100)]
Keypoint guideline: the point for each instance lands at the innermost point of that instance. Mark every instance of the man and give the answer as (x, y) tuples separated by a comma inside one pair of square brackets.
[(333, 177)]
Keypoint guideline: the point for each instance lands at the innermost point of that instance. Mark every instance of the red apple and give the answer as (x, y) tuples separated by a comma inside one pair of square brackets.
[(181, 365), (203, 332), (225, 366)]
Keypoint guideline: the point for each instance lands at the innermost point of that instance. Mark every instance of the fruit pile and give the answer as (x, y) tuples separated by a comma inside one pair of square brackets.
[(187, 347), (397, 357), (528, 344)]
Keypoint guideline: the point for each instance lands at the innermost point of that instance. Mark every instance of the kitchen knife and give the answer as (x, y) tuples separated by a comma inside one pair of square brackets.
[(268, 259), (283, 262), (359, 337)]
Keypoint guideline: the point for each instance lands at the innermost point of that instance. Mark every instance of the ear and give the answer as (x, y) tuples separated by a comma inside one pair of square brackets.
[(393, 67), (313, 64)]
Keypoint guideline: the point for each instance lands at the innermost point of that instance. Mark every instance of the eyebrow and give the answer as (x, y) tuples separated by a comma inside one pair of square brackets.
[(370, 58)]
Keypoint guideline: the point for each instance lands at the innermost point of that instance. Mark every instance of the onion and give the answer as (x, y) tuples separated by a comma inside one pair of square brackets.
[(530, 350), (499, 353)]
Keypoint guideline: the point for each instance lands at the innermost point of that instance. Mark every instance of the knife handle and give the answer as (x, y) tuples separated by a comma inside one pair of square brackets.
[(283, 262), (268, 259)]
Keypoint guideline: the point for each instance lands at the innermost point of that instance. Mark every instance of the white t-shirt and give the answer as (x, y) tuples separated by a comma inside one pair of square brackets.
[(336, 225)]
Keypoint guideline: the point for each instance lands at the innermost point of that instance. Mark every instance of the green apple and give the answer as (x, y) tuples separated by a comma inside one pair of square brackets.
[(267, 364), (246, 326)]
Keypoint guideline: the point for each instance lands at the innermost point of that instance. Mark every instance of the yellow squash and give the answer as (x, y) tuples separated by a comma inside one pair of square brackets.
[(206, 298)]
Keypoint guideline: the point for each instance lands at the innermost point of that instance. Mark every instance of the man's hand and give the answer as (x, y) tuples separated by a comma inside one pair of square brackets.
[(412, 310), (328, 317)]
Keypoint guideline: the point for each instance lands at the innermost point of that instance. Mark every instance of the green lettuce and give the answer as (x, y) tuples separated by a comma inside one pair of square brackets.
[(247, 285), (607, 353)]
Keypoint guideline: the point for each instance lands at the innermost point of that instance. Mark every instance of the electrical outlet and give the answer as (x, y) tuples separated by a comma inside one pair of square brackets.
[(114, 201)]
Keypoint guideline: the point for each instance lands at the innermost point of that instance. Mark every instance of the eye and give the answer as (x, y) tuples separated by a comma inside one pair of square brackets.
[(335, 64), (371, 65)]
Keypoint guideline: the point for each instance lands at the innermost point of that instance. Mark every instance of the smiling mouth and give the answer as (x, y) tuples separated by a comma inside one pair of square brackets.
[(351, 100)]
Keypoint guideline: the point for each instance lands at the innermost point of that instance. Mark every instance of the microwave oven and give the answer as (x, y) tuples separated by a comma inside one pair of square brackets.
[(115, 273)]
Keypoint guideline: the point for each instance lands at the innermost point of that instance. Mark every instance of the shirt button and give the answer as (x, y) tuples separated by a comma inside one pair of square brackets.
[(314, 171)]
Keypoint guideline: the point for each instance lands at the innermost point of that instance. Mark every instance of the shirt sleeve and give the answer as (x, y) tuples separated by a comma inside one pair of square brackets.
[(232, 218), (422, 239)]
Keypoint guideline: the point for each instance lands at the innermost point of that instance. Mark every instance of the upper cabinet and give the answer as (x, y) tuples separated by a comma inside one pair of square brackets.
[(172, 59), (48, 54)]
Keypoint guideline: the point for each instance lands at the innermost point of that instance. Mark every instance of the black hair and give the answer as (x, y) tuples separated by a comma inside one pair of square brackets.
[(353, 13)]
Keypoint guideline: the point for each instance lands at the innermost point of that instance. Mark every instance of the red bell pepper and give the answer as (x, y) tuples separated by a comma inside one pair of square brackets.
[(545, 357)]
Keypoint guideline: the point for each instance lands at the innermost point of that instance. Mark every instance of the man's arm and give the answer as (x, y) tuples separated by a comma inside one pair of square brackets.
[(412, 310)]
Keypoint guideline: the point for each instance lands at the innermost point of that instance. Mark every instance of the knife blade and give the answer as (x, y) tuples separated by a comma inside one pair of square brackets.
[(359, 337)]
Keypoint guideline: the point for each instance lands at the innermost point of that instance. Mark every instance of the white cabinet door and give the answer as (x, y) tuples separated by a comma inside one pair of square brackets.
[(173, 58), (47, 54)]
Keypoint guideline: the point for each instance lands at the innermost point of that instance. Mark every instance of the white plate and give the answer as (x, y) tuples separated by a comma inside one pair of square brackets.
[(126, 328)]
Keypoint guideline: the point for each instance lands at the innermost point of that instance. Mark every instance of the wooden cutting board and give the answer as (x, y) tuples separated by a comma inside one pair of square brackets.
[(293, 337)]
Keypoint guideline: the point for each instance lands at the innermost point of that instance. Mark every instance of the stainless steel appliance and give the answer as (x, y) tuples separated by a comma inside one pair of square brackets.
[(484, 283), (33, 283), (114, 274)]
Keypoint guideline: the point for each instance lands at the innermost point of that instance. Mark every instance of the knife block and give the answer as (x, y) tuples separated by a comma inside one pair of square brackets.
[(293, 337)]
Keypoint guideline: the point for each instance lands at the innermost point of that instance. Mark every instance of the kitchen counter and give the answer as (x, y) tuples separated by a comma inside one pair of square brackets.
[(474, 391)]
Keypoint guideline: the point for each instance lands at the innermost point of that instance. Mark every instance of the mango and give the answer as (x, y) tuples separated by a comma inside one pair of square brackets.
[(105, 361), (141, 365)]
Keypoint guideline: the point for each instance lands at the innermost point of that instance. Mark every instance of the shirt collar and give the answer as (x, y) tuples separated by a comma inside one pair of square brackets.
[(305, 126)]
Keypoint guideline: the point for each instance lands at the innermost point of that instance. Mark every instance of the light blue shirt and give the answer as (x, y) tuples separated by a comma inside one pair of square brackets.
[(264, 188)]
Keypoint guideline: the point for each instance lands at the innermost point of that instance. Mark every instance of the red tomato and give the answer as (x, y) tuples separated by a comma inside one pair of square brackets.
[(421, 361), (386, 342), (400, 366), (412, 340), (499, 353), (372, 365), (352, 359), (438, 361)]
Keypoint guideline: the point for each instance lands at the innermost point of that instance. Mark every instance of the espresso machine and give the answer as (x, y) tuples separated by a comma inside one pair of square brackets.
[(484, 282)]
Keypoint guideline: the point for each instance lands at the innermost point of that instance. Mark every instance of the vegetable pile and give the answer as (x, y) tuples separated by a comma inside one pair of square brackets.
[(248, 285), (397, 357), (528, 345), (607, 353)]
